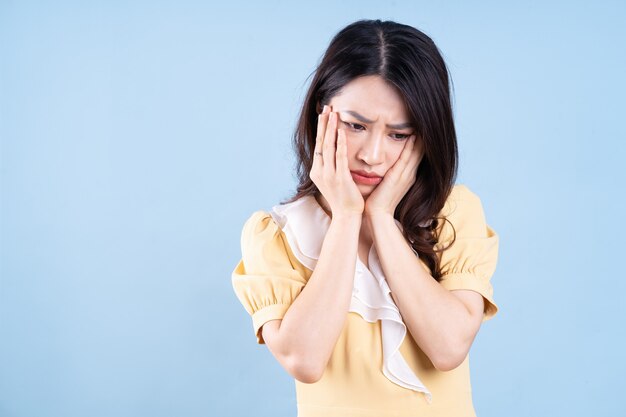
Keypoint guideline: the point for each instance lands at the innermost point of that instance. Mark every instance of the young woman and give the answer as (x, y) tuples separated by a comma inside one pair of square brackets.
[(370, 284)]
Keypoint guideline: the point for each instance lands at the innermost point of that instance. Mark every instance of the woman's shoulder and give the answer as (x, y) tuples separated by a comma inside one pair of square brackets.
[(257, 218), (259, 224), (268, 220), (266, 224), (261, 237), (462, 192), (461, 199), (264, 239), (464, 210)]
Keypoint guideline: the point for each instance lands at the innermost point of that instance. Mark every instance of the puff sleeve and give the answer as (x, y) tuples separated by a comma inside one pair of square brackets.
[(470, 261), (265, 280)]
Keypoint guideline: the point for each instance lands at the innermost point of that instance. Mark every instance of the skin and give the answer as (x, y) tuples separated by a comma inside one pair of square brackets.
[(443, 323)]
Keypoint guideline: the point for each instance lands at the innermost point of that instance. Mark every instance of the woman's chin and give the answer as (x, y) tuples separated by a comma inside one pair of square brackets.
[(365, 189)]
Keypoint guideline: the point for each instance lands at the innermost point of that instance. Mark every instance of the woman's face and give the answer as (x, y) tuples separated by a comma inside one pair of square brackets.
[(376, 122)]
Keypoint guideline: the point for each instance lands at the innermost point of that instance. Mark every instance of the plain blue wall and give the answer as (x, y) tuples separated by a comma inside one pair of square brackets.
[(136, 139)]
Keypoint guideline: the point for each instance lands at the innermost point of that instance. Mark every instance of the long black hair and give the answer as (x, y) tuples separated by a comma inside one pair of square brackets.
[(409, 61)]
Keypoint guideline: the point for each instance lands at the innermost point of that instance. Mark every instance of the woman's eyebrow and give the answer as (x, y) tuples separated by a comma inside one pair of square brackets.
[(363, 119)]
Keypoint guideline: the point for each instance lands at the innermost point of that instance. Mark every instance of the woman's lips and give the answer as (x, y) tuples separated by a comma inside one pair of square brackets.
[(360, 179)]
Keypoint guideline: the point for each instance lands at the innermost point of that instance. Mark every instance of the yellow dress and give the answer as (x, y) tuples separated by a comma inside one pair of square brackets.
[(269, 277)]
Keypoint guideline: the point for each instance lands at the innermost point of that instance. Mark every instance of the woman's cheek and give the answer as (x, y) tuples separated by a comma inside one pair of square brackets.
[(396, 152)]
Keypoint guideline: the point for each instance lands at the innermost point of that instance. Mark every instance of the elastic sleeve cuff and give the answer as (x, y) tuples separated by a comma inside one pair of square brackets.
[(262, 316), (468, 281)]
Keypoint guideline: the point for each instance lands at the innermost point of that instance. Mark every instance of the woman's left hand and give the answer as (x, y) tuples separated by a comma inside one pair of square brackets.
[(397, 181)]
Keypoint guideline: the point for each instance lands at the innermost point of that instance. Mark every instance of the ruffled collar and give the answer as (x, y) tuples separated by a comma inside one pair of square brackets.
[(305, 224)]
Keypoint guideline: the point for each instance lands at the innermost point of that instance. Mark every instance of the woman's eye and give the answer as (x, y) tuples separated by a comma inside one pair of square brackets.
[(399, 136), (354, 126), (396, 136)]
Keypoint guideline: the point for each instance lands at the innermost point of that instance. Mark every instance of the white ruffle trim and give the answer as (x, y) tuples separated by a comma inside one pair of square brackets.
[(305, 224)]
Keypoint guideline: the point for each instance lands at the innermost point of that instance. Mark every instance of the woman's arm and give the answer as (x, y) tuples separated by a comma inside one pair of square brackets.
[(443, 323), (304, 339)]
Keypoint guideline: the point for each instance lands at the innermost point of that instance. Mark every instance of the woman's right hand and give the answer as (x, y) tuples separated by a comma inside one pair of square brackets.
[(330, 172)]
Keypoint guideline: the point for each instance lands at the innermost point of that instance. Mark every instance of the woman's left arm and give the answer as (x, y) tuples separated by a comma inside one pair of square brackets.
[(443, 323)]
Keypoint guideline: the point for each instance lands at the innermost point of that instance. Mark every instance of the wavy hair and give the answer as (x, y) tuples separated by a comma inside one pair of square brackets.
[(410, 61)]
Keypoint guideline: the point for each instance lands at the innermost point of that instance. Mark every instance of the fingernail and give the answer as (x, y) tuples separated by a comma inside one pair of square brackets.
[(325, 109)]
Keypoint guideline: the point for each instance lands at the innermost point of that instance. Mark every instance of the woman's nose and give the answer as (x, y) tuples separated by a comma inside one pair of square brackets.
[(373, 150)]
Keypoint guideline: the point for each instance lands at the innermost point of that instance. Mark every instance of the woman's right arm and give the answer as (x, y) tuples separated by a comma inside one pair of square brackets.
[(304, 339)]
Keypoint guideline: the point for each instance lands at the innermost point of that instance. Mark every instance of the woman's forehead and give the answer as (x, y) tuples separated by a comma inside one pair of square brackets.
[(364, 119), (371, 97)]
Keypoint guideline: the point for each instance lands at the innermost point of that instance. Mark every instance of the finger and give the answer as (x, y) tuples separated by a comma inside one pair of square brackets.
[(403, 159), (415, 156), (322, 119), (329, 145), (407, 152), (419, 149), (319, 138), (342, 153)]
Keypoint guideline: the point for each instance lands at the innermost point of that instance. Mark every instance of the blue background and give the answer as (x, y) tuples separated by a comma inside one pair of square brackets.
[(137, 138)]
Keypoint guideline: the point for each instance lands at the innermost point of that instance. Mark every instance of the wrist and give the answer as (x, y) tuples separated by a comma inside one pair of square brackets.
[(378, 214), (350, 216), (378, 219)]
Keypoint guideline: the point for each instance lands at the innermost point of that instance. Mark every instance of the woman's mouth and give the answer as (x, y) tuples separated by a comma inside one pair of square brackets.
[(362, 179)]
